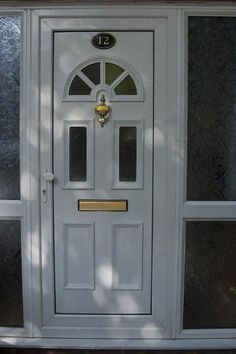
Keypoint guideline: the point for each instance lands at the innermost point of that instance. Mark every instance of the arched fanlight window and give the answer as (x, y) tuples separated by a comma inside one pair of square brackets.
[(110, 74)]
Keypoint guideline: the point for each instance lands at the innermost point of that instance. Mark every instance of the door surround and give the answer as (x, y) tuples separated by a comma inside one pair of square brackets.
[(34, 19), (158, 324)]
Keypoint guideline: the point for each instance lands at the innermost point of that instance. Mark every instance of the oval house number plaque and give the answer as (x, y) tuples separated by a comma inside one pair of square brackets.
[(103, 41)]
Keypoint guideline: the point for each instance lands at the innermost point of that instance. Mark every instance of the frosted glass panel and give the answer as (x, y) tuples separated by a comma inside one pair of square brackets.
[(78, 153), (211, 109), (210, 277), (127, 154), (10, 51), (11, 308)]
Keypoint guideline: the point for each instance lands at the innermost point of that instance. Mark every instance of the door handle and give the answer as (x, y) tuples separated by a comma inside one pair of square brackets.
[(46, 178)]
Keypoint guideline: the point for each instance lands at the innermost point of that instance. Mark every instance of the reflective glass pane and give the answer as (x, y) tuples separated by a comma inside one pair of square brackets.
[(79, 87), (10, 51), (112, 72), (78, 153), (11, 307), (210, 275), (127, 154), (92, 71), (126, 87), (211, 109)]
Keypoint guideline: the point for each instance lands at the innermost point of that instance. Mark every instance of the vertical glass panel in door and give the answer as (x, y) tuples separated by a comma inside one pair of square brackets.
[(210, 276), (211, 171), (78, 154), (127, 154), (11, 307), (10, 52)]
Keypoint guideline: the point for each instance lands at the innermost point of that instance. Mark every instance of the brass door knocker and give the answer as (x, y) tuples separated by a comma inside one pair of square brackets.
[(102, 111)]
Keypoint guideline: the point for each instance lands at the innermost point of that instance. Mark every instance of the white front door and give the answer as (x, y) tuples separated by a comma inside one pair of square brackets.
[(103, 258)]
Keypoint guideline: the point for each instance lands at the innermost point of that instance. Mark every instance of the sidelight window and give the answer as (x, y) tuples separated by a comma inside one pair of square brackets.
[(209, 213), (11, 301), (10, 51)]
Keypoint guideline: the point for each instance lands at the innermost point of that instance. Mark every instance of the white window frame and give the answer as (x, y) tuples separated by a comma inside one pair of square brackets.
[(28, 208)]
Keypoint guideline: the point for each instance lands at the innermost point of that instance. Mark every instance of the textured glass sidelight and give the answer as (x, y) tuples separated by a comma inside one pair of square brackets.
[(127, 154), (79, 87), (210, 275), (10, 52), (92, 71), (113, 71), (211, 171), (11, 307), (78, 154), (126, 87)]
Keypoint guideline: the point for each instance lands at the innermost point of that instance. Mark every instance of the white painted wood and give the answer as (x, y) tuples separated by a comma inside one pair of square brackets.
[(12, 332), (26, 173), (79, 253), (12, 11), (177, 314), (72, 343), (146, 11), (33, 138), (208, 333), (209, 210), (11, 209), (46, 101), (169, 163), (165, 172), (157, 324), (71, 49), (131, 277)]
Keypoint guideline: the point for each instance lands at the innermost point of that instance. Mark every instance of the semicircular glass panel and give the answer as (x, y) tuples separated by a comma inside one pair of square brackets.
[(113, 71), (92, 71), (126, 87), (103, 72), (79, 87)]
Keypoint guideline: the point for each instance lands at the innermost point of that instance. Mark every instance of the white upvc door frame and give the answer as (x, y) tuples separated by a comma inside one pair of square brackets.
[(28, 209), (163, 24)]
